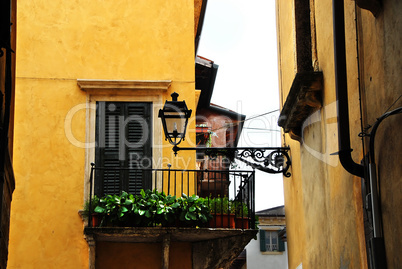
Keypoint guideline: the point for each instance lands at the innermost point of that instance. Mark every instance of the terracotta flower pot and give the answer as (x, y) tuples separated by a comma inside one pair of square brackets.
[(242, 223), (222, 221), (96, 219)]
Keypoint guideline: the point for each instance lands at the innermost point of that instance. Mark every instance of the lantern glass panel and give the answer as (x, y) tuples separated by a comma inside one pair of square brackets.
[(176, 123)]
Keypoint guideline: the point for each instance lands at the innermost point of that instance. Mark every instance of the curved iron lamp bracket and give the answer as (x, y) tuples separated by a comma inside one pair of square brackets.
[(272, 160)]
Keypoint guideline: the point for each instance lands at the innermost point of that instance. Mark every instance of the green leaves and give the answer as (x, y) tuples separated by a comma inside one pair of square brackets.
[(100, 210), (115, 207), (239, 208), (152, 208), (220, 205), (191, 216), (156, 207), (193, 211), (90, 205)]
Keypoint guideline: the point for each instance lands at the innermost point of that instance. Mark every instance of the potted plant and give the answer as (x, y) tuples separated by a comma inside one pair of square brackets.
[(156, 208), (242, 217), (115, 209), (90, 207), (193, 211), (152, 208), (221, 209)]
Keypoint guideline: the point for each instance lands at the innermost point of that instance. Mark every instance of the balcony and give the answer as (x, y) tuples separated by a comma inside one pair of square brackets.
[(212, 183), (229, 230)]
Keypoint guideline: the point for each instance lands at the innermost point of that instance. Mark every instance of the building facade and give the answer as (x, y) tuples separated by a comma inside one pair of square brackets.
[(269, 249), (90, 80), (339, 78), (216, 127)]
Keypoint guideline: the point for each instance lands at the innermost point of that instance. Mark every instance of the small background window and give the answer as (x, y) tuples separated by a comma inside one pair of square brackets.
[(270, 241)]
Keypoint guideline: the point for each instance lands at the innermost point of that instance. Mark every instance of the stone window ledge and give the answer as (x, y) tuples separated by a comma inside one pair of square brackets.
[(272, 252), (98, 86)]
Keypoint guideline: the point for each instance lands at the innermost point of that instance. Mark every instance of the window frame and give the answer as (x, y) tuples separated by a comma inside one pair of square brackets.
[(262, 237), (122, 91)]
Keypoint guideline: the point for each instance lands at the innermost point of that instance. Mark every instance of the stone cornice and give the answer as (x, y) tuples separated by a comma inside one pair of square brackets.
[(93, 85)]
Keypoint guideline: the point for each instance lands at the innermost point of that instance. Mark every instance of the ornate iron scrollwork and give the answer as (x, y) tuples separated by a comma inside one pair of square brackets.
[(270, 160)]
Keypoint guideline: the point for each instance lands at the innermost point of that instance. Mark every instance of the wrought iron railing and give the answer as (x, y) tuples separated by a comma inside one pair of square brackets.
[(230, 194)]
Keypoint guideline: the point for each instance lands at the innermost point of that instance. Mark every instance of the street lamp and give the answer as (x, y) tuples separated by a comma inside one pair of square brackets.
[(174, 116)]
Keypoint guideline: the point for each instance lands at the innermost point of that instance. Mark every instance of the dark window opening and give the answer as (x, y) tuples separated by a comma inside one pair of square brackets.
[(303, 36), (123, 140)]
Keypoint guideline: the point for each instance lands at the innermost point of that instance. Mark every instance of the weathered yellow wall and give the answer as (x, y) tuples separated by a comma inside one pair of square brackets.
[(381, 58), (58, 43), (293, 194), (49, 180), (323, 201)]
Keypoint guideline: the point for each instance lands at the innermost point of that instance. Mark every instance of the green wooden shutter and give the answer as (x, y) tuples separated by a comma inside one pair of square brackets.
[(263, 246), (281, 243), (123, 139), (138, 146), (108, 148)]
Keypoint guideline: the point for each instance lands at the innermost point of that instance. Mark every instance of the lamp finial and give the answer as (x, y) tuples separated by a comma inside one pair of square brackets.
[(174, 96)]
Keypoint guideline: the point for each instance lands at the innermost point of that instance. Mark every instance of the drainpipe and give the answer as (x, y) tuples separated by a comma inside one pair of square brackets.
[(345, 151), (377, 246), (377, 242)]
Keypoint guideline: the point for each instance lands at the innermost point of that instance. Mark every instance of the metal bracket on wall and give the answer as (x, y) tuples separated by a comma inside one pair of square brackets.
[(272, 160)]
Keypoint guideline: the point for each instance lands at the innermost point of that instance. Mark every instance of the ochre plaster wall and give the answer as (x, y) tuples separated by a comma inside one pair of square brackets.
[(59, 42), (293, 193), (323, 201), (381, 58)]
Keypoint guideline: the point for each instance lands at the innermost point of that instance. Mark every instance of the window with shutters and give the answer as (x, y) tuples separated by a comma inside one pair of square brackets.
[(123, 140), (270, 241)]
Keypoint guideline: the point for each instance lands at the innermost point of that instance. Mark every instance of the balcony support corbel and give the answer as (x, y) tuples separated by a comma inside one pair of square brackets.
[(91, 250), (304, 98), (165, 251)]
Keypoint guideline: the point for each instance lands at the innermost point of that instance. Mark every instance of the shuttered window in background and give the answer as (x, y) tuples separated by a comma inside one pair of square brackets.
[(270, 241), (123, 140), (263, 247)]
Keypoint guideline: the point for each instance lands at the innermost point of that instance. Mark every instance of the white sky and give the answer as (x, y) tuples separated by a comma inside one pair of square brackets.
[(240, 37)]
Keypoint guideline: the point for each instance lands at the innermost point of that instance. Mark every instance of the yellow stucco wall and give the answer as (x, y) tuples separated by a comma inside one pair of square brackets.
[(381, 58), (293, 196), (59, 42), (323, 202)]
